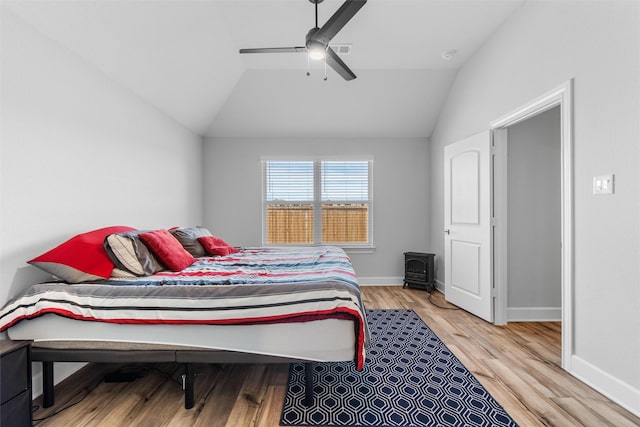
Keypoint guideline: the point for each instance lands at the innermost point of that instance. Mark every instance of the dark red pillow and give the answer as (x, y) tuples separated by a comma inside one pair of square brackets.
[(168, 250), (81, 258), (216, 246)]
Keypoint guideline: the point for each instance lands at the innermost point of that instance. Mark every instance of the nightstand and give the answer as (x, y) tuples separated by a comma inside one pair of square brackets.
[(15, 383)]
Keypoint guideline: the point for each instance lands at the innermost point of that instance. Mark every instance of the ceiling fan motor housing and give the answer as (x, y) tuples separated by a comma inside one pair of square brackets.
[(314, 44)]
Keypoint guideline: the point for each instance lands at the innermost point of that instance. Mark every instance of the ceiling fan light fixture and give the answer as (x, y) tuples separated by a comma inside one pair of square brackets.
[(316, 54), (317, 50)]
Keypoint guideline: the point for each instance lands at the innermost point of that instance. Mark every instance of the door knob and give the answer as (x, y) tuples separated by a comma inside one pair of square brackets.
[(446, 231)]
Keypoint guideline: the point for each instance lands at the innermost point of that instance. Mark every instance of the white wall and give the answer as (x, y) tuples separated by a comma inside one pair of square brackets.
[(597, 44), (534, 217), (233, 188), (78, 152), (287, 102)]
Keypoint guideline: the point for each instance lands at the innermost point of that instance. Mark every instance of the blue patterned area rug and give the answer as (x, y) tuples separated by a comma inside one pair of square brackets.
[(410, 379)]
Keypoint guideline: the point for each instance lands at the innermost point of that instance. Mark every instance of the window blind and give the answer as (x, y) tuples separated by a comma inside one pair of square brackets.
[(345, 181), (289, 181)]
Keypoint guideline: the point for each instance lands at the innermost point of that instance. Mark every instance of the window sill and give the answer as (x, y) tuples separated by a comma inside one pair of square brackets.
[(358, 249)]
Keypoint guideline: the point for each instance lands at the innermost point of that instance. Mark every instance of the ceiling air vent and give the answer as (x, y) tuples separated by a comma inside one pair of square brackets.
[(341, 49)]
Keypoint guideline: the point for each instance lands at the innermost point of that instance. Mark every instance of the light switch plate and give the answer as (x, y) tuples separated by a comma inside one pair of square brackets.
[(603, 184)]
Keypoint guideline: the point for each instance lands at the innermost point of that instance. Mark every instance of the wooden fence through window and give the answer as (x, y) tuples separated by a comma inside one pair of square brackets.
[(293, 224), (345, 223)]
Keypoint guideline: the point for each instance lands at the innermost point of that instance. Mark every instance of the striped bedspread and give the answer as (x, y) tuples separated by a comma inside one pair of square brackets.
[(256, 285)]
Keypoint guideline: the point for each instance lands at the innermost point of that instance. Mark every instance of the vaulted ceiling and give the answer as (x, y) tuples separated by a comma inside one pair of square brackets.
[(182, 58)]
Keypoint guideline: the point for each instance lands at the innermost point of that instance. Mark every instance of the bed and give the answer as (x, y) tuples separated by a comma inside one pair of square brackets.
[(253, 305)]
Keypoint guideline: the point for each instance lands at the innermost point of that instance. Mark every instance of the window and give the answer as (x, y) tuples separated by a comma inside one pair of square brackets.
[(317, 202)]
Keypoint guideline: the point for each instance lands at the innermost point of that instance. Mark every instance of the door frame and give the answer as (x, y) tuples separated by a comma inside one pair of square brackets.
[(561, 96)]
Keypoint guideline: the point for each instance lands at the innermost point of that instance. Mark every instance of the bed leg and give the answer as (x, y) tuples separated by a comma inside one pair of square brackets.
[(308, 384), (47, 384), (189, 386)]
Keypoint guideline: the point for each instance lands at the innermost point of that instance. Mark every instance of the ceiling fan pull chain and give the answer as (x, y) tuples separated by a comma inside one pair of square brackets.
[(308, 73), (325, 68)]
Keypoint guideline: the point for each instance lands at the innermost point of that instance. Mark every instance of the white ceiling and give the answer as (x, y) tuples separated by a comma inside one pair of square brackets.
[(182, 58)]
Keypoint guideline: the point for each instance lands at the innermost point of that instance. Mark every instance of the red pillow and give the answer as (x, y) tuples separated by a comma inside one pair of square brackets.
[(81, 258), (168, 250), (216, 246)]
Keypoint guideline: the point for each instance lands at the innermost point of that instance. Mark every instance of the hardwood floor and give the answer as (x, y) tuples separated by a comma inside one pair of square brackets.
[(519, 364)]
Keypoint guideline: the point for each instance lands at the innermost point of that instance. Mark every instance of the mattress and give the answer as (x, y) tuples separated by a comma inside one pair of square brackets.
[(321, 340)]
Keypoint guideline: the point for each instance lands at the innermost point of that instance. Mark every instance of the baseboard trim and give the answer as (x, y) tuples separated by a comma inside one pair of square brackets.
[(61, 371), (381, 281), (620, 392), (534, 314)]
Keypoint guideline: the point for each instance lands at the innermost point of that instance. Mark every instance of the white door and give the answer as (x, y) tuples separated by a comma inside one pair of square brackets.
[(467, 223)]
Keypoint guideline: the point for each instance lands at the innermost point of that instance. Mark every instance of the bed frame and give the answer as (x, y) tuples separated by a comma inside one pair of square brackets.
[(186, 357)]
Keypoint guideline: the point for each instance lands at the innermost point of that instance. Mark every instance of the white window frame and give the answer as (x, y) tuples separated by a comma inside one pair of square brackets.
[(317, 202)]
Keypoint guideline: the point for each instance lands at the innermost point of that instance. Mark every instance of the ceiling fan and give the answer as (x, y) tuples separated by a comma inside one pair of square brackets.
[(317, 39)]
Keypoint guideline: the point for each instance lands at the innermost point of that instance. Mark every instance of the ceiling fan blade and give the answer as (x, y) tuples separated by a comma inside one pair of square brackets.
[(275, 50), (337, 21), (334, 61)]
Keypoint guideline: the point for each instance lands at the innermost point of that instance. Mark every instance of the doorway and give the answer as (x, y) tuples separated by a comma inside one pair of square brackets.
[(555, 103), (533, 219)]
